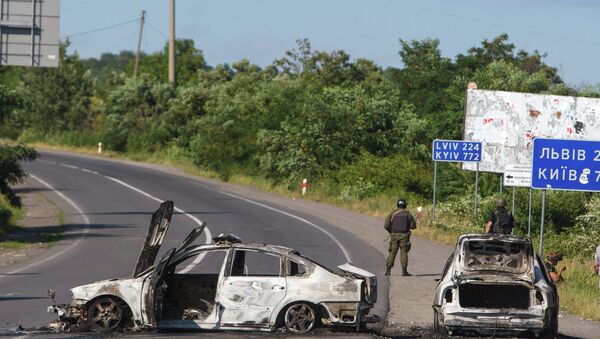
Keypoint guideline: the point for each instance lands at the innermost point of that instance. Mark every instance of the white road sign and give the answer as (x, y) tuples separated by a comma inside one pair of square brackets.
[(517, 175)]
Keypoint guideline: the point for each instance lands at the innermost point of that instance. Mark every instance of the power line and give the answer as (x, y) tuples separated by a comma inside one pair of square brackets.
[(156, 30), (487, 23), (99, 29)]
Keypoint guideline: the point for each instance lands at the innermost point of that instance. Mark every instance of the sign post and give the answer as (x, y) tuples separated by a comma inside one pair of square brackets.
[(529, 214), (518, 175), (558, 164), (454, 151)]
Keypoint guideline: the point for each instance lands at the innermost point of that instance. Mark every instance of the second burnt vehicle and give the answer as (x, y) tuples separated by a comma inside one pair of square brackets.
[(226, 285), (492, 284)]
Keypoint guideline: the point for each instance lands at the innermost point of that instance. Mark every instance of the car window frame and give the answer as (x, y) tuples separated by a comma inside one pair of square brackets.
[(231, 258)]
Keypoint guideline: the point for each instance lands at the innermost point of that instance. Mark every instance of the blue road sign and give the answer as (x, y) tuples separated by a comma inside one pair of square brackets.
[(572, 165), (456, 151)]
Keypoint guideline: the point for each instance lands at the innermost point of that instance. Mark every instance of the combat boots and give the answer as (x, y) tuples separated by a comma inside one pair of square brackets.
[(405, 273), (388, 271)]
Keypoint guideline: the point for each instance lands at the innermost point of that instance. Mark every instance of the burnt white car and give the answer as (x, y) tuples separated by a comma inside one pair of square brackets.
[(226, 285), (494, 284)]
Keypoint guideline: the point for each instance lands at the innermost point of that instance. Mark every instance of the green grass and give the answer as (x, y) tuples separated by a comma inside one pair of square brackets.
[(12, 225), (578, 294), (9, 217), (14, 245)]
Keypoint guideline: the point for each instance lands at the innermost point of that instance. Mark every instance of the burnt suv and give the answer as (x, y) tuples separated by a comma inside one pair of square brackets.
[(492, 284)]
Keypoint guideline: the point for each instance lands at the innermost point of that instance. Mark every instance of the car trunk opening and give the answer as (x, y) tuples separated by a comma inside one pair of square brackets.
[(513, 257), (494, 296)]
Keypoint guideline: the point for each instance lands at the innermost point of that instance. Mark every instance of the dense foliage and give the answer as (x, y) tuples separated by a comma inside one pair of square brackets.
[(344, 123)]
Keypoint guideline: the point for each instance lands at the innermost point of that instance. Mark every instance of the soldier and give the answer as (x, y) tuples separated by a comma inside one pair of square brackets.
[(553, 259), (500, 221), (398, 224)]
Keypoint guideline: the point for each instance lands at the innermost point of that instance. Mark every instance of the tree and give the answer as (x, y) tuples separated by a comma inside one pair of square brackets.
[(58, 99), (11, 171), (189, 61)]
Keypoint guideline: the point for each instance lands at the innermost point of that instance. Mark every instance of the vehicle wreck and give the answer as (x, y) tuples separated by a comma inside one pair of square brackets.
[(495, 284), (225, 285)]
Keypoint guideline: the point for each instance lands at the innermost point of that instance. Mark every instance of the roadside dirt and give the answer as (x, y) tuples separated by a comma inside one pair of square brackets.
[(39, 227)]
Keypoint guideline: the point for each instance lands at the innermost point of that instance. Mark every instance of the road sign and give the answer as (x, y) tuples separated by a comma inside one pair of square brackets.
[(517, 175), (572, 165), (29, 32), (456, 151)]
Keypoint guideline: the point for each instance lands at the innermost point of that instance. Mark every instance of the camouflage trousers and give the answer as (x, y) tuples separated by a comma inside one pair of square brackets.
[(399, 241)]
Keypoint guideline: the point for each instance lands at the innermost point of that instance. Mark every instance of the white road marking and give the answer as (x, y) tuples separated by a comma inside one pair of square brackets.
[(69, 166), (346, 254), (75, 243), (207, 233), (89, 171), (206, 230), (150, 196)]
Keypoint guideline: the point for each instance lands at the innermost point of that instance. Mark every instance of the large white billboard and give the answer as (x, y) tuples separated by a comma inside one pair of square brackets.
[(507, 122)]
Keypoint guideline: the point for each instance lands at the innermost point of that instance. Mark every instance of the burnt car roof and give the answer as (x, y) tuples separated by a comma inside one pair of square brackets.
[(262, 247), (508, 237)]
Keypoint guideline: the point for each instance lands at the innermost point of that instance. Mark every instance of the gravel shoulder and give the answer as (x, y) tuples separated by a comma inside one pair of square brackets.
[(41, 226)]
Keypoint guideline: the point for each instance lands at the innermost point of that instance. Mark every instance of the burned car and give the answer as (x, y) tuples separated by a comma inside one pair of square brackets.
[(226, 285), (494, 284)]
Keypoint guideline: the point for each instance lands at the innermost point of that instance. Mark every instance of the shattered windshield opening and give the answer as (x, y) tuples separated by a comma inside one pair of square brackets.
[(496, 255)]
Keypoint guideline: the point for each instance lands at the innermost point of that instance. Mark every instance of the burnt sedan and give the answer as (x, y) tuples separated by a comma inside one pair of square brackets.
[(493, 284), (226, 285)]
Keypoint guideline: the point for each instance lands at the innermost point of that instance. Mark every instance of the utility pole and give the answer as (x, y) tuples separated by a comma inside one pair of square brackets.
[(172, 42), (139, 45)]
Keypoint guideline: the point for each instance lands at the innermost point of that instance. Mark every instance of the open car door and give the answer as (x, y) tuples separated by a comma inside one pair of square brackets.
[(161, 220)]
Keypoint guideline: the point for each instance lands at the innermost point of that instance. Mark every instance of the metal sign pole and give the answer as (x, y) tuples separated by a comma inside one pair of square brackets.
[(513, 202), (434, 188), (476, 190), (501, 178), (529, 217), (542, 221)]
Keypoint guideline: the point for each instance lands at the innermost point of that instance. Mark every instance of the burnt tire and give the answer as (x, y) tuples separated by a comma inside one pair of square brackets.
[(105, 314), (300, 317), (551, 330), (438, 328)]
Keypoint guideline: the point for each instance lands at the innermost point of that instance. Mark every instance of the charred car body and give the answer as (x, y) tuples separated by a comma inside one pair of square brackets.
[(227, 285), (493, 284)]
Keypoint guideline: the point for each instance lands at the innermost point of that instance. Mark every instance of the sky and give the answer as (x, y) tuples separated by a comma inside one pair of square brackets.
[(262, 30)]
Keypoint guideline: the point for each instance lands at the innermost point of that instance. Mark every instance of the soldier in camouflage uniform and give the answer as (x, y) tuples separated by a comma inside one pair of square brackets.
[(398, 224)]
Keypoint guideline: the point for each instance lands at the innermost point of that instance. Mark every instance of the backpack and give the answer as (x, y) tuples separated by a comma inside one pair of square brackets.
[(503, 222)]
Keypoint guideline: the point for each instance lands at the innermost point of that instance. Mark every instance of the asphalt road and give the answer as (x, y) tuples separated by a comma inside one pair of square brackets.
[(107, 207)]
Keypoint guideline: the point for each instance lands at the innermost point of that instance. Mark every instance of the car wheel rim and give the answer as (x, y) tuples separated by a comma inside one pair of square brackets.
[(300, 318), (106, 314)]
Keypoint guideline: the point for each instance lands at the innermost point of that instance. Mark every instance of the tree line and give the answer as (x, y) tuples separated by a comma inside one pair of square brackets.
[(355, 128)]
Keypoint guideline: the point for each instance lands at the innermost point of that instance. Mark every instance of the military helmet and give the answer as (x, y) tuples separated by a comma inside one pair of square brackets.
[(554, 256), (401, 203), (501, 202)]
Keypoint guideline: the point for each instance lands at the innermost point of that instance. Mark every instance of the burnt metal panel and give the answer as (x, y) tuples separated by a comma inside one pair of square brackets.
[(161, 220)]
